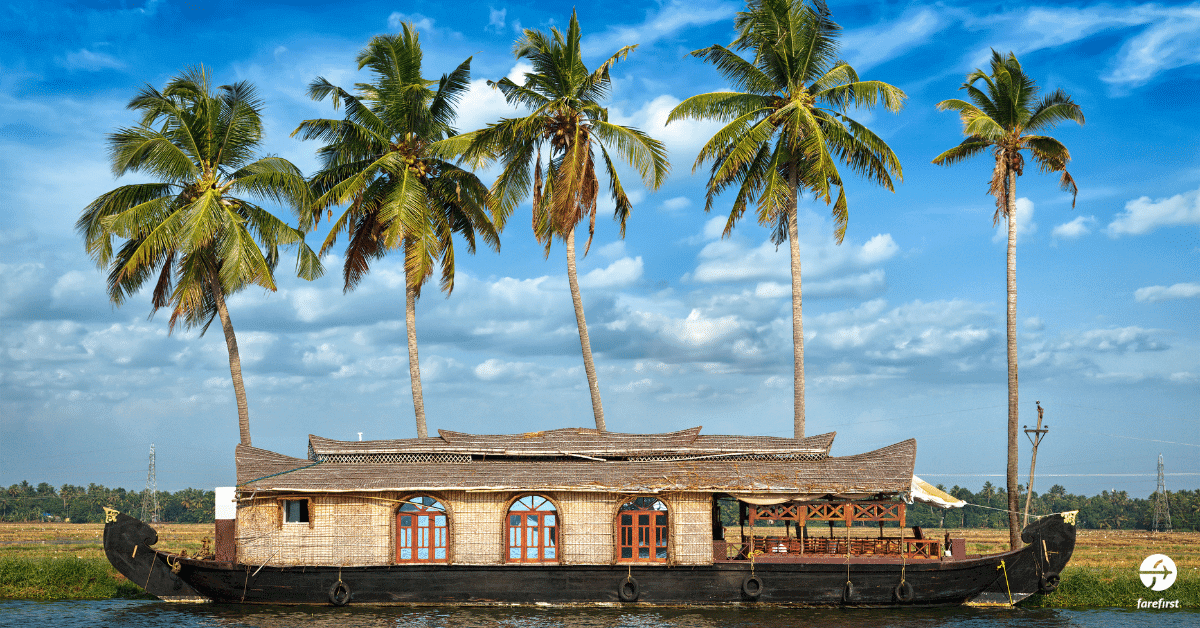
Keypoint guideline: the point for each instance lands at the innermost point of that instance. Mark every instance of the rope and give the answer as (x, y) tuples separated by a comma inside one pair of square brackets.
[(280, 473), (1017, 511), (1006, 585), (847, 554)]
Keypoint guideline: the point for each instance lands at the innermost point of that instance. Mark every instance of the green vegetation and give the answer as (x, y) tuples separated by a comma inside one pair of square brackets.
[(1106, 511), (1110, 586), (192, 232), (63, 579), (78, 504), (999, 117), (385, 163), (785, 129), (568, 120)]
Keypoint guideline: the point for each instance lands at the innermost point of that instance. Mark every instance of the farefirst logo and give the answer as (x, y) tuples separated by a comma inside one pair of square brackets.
[(1158, 574), (1159, 603)]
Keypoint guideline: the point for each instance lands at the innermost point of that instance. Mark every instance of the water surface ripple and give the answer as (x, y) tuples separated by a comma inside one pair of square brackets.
[(143, 614)]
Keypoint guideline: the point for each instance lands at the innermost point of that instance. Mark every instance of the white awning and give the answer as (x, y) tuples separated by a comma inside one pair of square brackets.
[(925, 492)]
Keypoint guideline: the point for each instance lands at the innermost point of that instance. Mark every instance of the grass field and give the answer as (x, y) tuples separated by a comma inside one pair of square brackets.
[(66, 561)]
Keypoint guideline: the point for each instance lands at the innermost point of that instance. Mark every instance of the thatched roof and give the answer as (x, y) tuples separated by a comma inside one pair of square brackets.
[(881, 472), (576, 442)]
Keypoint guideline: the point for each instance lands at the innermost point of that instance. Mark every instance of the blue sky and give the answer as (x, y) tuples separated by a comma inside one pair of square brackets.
[(904, 321)]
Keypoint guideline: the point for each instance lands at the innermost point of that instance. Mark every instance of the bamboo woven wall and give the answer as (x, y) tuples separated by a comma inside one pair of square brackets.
[(346, 530), (691, 528), (476, 530), (358, 529), (586, 536)]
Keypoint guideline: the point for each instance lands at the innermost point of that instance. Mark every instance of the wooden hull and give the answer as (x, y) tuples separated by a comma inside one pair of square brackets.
[(816, 582)]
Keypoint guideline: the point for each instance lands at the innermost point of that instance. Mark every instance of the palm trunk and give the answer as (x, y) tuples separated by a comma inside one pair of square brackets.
[(797, 320), (235, 360), (584, 342), (414, 366), (1014, 530)]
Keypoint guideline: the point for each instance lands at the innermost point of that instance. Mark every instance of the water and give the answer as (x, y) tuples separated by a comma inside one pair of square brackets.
[(139, 614)]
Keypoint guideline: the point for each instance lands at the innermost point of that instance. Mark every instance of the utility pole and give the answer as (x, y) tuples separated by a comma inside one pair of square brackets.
[(1035, 437), (150, 496), (1162, 508)]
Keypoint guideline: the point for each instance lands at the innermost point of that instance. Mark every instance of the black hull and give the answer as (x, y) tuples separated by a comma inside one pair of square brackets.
[(128, 546), (873, 582)]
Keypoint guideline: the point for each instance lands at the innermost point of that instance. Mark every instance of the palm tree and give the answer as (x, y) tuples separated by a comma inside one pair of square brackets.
[(786, 129), (1000, 117), (386, 162), (569, 122), (192, 232)]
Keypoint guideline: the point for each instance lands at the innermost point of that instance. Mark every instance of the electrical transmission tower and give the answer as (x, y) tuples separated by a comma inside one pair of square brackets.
[(150, 495), (1162, 509)]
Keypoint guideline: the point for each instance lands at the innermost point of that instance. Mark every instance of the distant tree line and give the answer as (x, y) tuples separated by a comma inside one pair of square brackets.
[(80, 504), (1108, 510)]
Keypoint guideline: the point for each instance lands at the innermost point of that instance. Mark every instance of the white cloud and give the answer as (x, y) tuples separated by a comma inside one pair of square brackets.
[(873, 45), (696, 330), (496, 18), (1143, 215), (612, 250), (1025, 224), (420, 22), (1154, 294), (1170, 37), (84, 59), (483, 105), (772, 290), (672, 17), (1171, 41), (1115, 340), (862, 284), (938, 330), (493, 370), (676, 204), (645, 385), (730, 260), (682, 138), (878, 249), (1075, 229), (618, 274), (313, 304)]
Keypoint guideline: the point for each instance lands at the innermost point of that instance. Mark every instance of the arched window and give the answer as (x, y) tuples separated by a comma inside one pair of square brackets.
[(643, 530), (422, 531), (532, 531)]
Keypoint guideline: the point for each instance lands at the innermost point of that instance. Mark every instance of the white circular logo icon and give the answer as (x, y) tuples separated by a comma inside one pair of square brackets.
[(1157, 572)]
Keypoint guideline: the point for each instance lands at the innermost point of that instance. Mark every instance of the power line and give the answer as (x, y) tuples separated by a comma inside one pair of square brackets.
[(1152, 416), (1148, 440)]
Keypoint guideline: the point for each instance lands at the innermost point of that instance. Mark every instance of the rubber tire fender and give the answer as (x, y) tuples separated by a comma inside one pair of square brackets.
[(752, 586), (903, 592), (1048, 583), (848, 592), (339, 593), (628, 590)]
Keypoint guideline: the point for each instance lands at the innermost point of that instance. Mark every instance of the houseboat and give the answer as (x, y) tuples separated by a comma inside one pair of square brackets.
[(577, 516)]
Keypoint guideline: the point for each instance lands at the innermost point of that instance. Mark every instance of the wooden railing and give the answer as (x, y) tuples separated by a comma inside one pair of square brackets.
[(848, 512), (766, 548)]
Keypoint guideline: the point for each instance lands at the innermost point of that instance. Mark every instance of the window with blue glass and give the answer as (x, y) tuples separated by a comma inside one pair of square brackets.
[(643, 531), (422, 531), (532, 530)]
